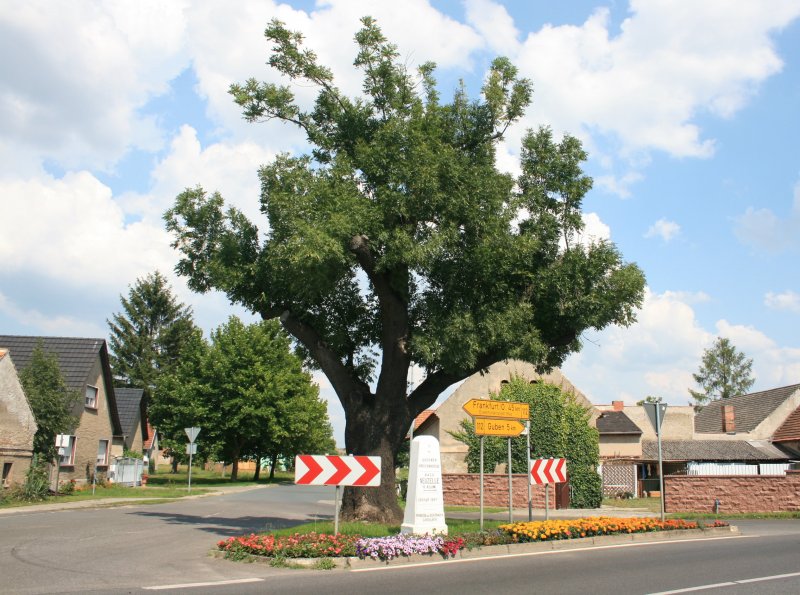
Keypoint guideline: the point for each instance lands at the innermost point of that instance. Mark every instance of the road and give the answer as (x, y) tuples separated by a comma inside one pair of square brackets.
[(136, 548)]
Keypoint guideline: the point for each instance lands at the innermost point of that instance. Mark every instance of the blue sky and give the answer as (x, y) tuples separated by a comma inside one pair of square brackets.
[(689, 111)]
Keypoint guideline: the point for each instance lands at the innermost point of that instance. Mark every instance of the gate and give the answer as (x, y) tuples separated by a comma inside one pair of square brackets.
[(619, 479)]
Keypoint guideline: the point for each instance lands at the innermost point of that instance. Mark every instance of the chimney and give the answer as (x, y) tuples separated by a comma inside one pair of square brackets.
[(728, 419), (618, 405)]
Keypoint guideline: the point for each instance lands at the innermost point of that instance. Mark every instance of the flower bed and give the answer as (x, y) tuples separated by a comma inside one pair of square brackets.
[(589, 527), (321, 545)]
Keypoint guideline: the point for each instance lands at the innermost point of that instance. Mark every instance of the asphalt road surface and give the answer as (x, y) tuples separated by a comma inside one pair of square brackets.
[(163, 549)]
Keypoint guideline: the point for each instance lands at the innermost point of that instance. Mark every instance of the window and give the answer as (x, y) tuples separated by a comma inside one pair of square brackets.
[(102, 453), (91, 396), (66, 449), (6, 474)]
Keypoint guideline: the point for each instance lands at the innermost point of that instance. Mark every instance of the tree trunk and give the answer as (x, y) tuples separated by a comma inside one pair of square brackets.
[(235, 464), (174, 464), (257, 474), (375, 435), (273, 462)]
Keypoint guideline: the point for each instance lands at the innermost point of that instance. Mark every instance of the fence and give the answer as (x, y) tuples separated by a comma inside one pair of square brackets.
[(126, 471)]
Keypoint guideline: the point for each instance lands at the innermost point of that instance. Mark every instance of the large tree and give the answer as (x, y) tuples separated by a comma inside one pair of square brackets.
[(147, 337), (52, 402), (724, 372), (398, 240)]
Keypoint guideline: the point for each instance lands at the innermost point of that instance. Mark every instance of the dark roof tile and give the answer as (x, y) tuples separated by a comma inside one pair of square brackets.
[(616, 422), (749, 410), (711, 450), (129, 401)]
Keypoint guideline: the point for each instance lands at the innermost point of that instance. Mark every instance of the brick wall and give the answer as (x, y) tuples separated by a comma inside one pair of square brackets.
[(746, 493), (463, 489)]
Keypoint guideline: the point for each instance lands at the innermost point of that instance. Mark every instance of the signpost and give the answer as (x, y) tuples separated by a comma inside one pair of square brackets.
[(191, 449), (547, 471), (499, 418), (656, 413), (335, 470)]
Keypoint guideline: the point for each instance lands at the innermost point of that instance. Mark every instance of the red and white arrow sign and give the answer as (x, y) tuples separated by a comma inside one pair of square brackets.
[(548, 470), (334, 470)]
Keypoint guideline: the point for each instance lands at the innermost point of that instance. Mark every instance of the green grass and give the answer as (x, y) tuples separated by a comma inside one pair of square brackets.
[(650, 504), (201, 477)]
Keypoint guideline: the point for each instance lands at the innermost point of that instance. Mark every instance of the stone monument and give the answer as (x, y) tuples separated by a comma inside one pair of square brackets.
[(424, 502)]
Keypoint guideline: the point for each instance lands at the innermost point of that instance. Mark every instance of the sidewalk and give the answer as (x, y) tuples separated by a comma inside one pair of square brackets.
[(53, 504)]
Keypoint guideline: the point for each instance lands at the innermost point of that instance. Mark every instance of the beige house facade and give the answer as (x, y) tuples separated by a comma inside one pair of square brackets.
[(17, 425), (97, 438)]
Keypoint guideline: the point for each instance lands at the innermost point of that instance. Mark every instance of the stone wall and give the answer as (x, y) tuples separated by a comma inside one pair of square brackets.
[(463, 489), (745, 493)]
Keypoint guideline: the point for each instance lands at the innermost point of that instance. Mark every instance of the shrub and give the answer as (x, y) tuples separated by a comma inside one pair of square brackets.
[(37, 483)]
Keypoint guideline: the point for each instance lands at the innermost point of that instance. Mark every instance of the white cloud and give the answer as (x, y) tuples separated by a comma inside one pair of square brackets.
[(494, 24), (658, 355), (594, 229), (669, 62), (764, 230), (80, 72), (788, 300), (59, 325), (664, 229), (621, 186), (71, 230)]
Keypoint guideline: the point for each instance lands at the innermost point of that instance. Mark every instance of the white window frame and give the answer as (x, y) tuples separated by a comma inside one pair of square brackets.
[(102, 456), (91, 402), (67, 443)]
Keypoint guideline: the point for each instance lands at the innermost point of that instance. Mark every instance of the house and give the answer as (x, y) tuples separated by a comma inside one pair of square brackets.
[(130, 406), (752, 434), (98, 436), (17, 424), (447, 418)]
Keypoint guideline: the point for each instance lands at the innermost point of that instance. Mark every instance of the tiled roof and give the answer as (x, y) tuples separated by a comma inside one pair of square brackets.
[(422, 418), (151, 435), (616, 422), (749, 410), (129, 401), (712, 450), (790, 429), (76, 357)]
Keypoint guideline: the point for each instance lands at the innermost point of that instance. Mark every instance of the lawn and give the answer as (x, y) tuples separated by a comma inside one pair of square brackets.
[(649, 504)]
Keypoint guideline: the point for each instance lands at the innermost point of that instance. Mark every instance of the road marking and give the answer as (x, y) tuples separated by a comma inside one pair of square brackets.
[(210, 584), (744, 581), (547, 553)]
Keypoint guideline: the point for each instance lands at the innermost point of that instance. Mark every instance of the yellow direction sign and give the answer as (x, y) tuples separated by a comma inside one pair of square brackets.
[(497, 409), (498, 427)]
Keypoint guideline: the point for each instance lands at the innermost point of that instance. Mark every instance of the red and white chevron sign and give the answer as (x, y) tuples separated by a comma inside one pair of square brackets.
[(334, 470), (548, 470)]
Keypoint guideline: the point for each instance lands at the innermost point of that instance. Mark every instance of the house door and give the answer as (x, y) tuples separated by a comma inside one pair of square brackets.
[(562, 494)]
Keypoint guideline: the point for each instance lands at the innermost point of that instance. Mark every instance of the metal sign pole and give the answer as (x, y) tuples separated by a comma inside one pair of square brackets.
[(528, 457), (660, 463), (481, 490), (547, 501), (190, 466), (336, 516), (510, 494)]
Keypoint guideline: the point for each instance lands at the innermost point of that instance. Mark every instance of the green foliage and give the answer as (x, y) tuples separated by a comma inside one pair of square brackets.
[(148, 336), (52, 402), (37, 485), (560, 428), (132, 454), (724, 372), (248, 392), (649, 399)]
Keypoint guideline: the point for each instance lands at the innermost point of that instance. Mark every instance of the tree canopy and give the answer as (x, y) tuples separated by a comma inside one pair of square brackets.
[(147, 337), (724, 372), (397, 239), (52, 401), (559, 428), (248, 392)]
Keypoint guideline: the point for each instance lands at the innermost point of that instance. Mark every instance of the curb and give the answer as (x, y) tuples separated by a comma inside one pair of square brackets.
[(487, 551)]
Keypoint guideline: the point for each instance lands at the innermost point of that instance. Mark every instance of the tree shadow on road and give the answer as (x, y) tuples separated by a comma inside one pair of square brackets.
[(230, 526)]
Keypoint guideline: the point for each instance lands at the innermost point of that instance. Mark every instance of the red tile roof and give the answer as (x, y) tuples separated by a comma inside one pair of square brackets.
[(790, 428), (422, 418)]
